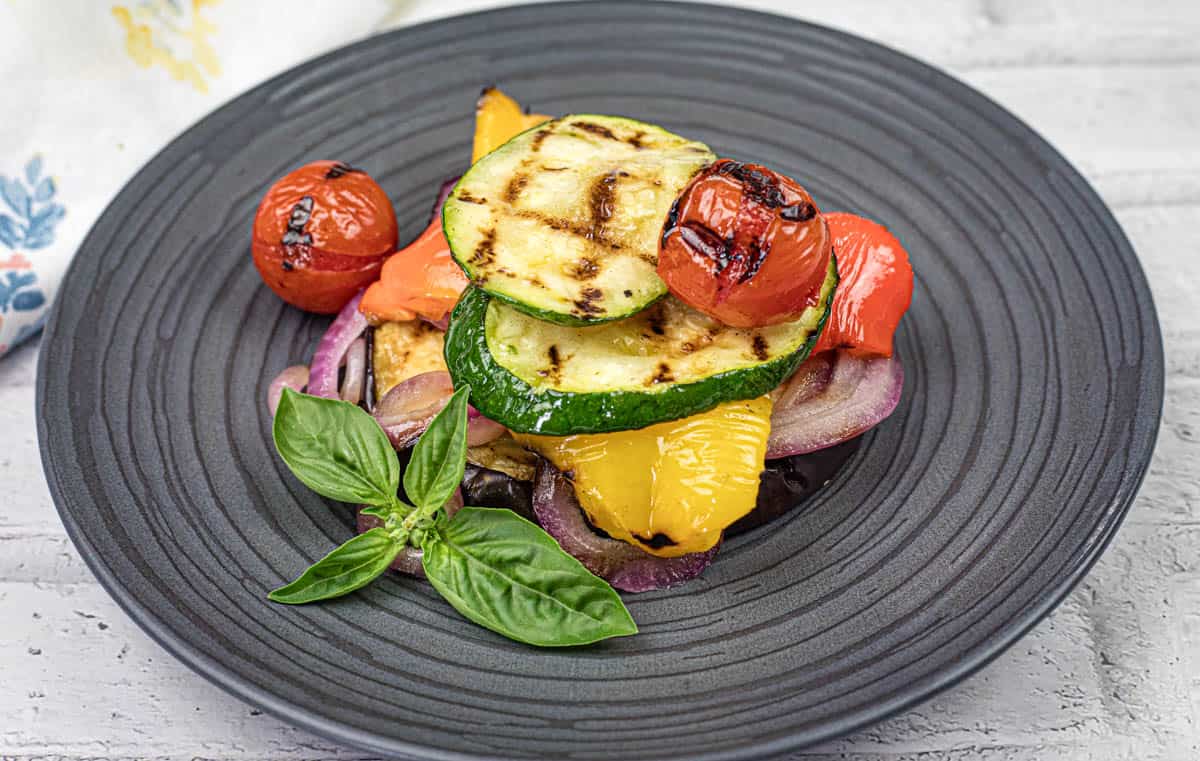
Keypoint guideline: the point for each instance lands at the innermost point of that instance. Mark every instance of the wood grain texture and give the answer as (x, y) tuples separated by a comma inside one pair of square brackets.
[(1111, 674)]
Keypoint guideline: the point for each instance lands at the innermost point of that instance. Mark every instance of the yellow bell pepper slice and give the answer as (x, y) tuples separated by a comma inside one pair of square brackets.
[(498, 118)]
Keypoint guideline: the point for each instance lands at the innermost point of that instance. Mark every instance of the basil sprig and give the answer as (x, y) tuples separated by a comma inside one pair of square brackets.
[(496, 568)]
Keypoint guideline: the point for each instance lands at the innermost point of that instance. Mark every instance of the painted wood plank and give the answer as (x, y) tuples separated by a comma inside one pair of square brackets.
[(1113, 674)]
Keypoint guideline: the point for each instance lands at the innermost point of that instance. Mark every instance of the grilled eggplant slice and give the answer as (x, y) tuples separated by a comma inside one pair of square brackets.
[(563, 220), (402, 350)]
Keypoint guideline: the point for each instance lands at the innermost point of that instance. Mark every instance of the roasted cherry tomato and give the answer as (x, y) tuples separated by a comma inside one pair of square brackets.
[(745, 245), (322, 233), (874, 291)]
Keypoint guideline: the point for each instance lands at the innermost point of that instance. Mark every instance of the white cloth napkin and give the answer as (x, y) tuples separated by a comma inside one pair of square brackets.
[(90, 91)]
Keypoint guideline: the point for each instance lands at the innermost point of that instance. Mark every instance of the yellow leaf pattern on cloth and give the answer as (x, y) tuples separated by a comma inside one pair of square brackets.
[(173, 34)]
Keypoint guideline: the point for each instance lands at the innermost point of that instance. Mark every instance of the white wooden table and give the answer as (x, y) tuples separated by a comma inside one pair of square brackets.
[(1113, 674)]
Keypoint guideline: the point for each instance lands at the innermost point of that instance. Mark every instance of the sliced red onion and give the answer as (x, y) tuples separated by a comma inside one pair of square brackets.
[(482, 430), (443, 193), (624, 566), (810, 379), (346, 327), (813, 414), (409, 559), (356, 371), (294, 377), (442, 324), (406, 410)]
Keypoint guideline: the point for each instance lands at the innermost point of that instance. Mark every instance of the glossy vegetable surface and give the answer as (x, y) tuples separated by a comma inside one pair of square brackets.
[(321, 233), (665, 363), (420, 280), (497, 119), (623, 565), (875, 290), (669, 489), (745, 245), (563, 220)]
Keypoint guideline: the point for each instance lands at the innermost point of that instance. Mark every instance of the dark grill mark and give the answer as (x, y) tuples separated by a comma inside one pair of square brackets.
[(756, 185), (539, 137), (554, 169), (758, 255), (368, 401), (687, 347), (798, 212), (657, 542), (554, 370), (628, 293), (636, 140), (586, 304), (585, 269), (341, 169), (560, 224), (662, 375), (296, 242), (656, 322), (485, 252), (466, 197), (759, 347), (595, 129), (672, 220), (515, 186), (600, 200), (707, 243)]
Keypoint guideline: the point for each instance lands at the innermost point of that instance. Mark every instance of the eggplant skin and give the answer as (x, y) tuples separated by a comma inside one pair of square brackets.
[(491, 488), (788, 482)]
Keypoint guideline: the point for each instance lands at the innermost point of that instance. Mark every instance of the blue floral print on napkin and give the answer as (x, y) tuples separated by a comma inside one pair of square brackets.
[(29, 215), (34, 212), (16, 293)]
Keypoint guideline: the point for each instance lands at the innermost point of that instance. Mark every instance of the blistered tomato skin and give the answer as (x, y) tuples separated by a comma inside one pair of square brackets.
[(745, 245), (874, 290), (321, 233)]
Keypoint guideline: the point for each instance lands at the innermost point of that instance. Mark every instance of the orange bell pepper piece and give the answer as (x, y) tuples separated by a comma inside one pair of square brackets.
[(423, 280)]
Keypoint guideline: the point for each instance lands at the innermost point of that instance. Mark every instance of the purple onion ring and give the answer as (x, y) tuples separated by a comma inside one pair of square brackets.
[(833, 397), (624, 566)]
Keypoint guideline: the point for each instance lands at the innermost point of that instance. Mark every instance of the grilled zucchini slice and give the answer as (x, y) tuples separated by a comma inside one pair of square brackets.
[(563, 220), (664, 363)]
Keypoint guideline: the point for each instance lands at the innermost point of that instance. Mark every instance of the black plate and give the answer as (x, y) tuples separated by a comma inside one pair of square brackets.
[(1033, 356)]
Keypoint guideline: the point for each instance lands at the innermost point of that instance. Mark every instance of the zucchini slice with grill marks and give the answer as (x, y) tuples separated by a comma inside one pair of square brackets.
[(563, 220), (667, 362)]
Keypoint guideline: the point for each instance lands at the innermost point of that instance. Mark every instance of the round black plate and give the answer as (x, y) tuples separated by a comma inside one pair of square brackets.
[(1032, 352)]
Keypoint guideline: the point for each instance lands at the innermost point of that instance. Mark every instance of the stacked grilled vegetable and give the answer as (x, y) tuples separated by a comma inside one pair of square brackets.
[(644, 329)]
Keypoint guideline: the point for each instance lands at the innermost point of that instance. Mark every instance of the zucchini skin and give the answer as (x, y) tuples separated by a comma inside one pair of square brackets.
[(452, 222), (502, 396)]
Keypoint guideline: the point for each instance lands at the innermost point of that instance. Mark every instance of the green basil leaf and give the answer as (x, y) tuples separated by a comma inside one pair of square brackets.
[(440, 456), (382, 513), (352, 566), (506, 574), (336, 449)]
